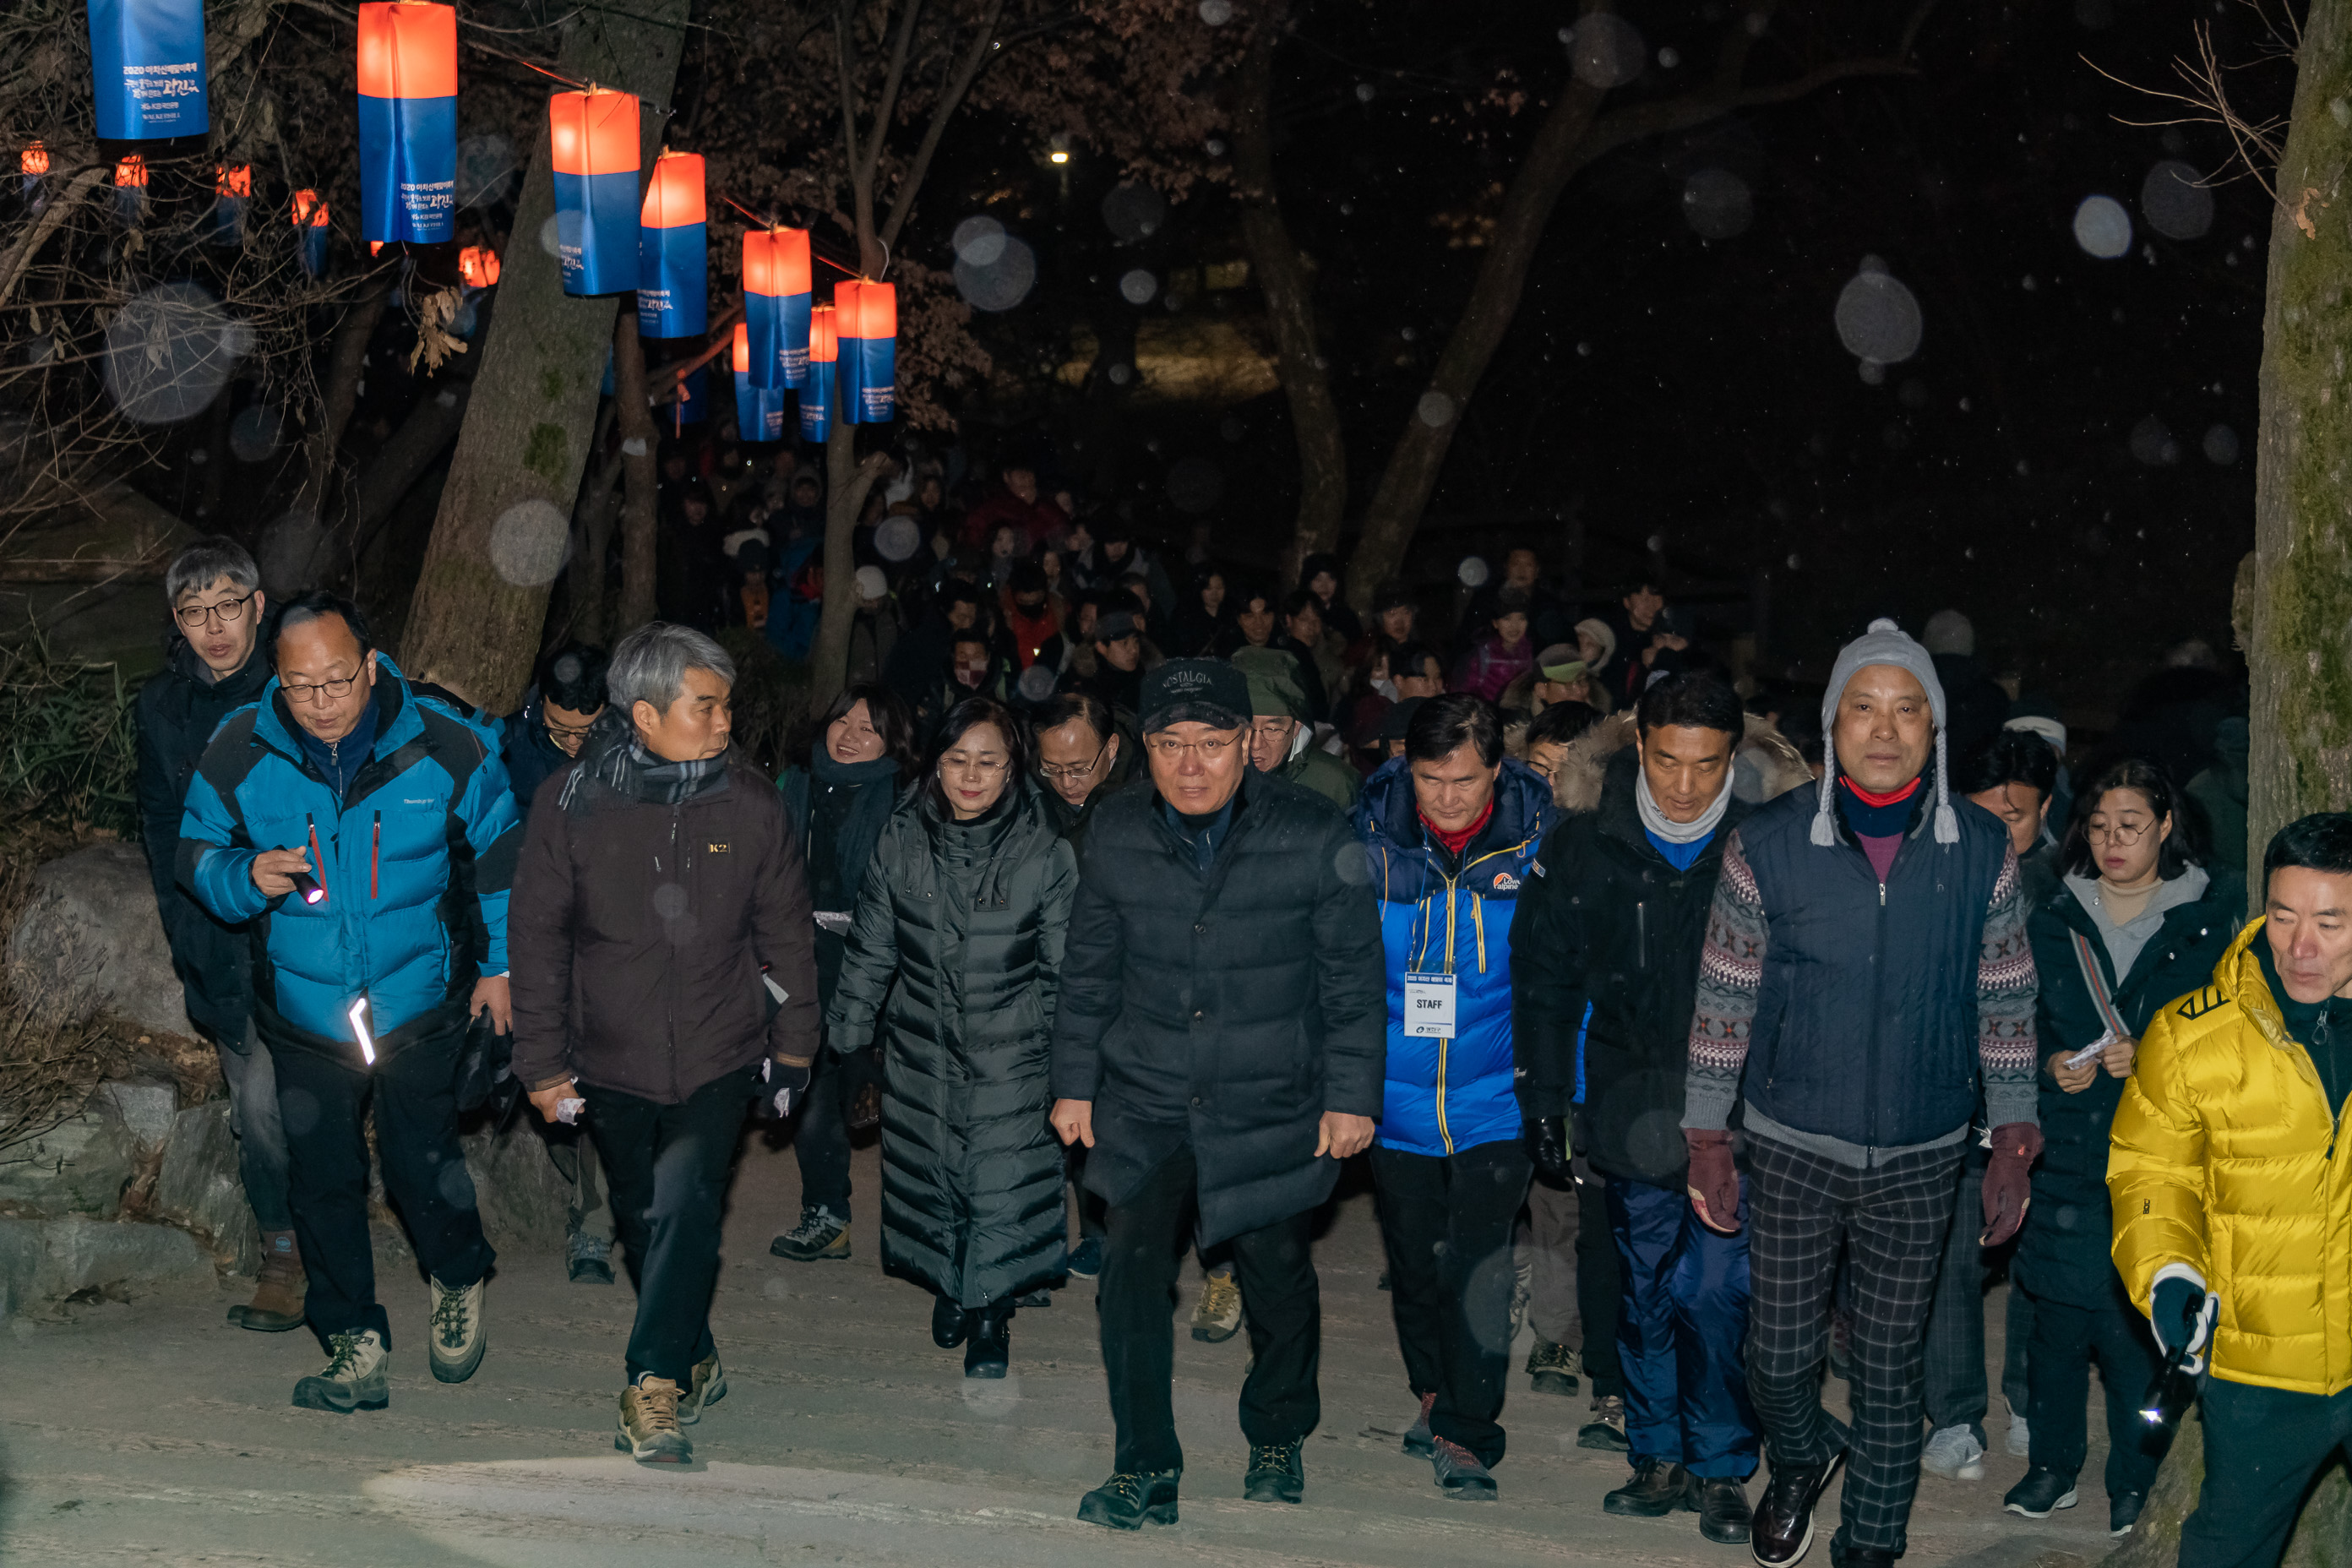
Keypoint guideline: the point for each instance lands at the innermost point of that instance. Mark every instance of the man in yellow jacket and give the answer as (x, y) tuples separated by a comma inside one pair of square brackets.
[(2233, 1204)]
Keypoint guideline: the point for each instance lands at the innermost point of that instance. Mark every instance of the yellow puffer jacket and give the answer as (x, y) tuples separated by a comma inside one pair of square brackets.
[(2224, 1158)]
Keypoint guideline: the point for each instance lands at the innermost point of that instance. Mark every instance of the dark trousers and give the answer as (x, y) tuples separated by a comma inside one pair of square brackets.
[(1284, 1314), (1955, 1389), (324, 1105), (1682, 1331), (2058, 1373), (666, 1166), (1893, 1217), (1599, 1290), (821, 1138), (2263, 1445), (1447, 1222)]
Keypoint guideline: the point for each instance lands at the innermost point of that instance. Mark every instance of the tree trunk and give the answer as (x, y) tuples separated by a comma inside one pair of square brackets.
[(2301, 664), (290, 549), (633, 420), (2300, 601), (600, 503), (1288, 288), (848, 481), (527, 435), (1411, 476)]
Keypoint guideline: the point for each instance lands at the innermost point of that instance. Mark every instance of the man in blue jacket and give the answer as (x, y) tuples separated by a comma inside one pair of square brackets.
[(368, 835), (1451, 831)]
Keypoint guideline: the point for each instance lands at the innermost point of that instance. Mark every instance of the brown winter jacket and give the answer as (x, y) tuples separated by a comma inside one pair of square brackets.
[(636, 934)]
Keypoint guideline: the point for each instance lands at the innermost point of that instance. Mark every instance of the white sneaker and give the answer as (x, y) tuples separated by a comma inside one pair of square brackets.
[(2020, 1442), (1954, 1453)]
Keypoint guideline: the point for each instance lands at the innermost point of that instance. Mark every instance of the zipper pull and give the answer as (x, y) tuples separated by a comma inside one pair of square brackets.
[(1881, 895)]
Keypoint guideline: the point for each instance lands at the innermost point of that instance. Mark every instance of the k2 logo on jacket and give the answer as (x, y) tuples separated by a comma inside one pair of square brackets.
[(1506, 883), (714, 849)]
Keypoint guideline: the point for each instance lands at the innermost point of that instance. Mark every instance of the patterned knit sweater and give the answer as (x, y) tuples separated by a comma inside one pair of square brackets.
[(1731, 973)]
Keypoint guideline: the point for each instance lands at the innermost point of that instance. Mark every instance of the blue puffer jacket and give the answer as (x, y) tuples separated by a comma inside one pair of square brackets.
[(1443, 1094), (416, 860)]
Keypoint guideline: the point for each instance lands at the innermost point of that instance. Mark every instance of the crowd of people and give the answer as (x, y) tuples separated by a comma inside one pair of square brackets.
[(1723, 1043)]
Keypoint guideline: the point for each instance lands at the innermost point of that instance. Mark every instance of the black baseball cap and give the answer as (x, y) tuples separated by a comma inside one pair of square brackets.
[(1195, 691)]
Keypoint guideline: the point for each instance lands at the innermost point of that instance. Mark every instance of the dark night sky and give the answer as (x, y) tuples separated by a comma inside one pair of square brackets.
[(1659, 383)]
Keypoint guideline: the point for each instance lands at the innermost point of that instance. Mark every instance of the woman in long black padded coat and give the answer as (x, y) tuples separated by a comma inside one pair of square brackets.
[(965, 905)]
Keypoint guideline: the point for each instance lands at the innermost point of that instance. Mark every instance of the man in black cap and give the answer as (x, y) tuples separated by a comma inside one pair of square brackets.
[(1221, 1031)]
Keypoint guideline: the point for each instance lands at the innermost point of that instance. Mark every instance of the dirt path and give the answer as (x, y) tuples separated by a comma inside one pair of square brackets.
[(155, 1433)]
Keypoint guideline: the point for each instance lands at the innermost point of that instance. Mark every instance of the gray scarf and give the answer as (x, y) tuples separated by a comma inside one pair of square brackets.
[(616, 759)]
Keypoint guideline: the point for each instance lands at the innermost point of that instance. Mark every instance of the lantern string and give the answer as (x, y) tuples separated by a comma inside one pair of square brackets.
[(771, 222)]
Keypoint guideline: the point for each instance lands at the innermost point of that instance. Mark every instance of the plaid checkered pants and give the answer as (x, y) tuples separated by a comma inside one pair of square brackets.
[(1800, 1207)]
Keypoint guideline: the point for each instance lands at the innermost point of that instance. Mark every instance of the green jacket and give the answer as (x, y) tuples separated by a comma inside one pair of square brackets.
[(1318, 770)]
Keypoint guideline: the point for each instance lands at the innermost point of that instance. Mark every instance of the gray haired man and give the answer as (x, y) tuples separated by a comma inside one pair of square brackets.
[(216, 667), (659, 903)]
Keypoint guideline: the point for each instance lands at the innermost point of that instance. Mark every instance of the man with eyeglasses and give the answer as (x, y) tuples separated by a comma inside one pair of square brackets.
[(543, 738), (365, 834), (1221, 1030), (215, 669), (1081, 756)]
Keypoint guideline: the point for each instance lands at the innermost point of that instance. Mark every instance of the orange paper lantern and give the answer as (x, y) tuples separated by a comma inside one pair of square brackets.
[(477, 266), (131, 174), (34, 161), (233, 180)]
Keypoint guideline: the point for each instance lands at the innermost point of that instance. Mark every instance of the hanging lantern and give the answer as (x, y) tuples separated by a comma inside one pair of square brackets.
[(777, 294), (147, 69), (232, 189), (477, 267), (311, 223), (130, 188), (866, 327), (758, 411), (593, 137), (673, 251), (32, 163), (817, 393), (408, 122)]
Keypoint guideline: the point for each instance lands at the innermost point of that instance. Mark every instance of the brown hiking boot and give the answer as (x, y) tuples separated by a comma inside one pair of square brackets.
[(649, 1427), (280, 1290)]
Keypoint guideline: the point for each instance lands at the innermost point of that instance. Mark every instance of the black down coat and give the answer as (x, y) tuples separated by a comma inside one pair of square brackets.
[(1604, 971), (968, 918), (179, 709), (2063, 1252), (1229, 1009)]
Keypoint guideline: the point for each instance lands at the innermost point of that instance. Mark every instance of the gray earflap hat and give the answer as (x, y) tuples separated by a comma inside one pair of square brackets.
[(1884, 643)]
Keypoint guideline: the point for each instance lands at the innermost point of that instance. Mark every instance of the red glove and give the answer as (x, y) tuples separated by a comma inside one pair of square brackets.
[(1714, 1179), (2007, 1187)]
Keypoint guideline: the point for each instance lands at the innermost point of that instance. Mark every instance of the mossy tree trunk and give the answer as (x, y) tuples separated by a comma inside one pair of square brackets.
[(2299, 602), (473, 627), (2301, 652)]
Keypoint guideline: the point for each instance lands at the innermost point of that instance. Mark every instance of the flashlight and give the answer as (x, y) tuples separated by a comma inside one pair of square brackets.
[(308, 886), (2152, 1405), (359, 1027)]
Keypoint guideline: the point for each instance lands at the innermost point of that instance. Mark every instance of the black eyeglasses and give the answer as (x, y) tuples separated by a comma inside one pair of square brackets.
[(310, 693), (230, 612)]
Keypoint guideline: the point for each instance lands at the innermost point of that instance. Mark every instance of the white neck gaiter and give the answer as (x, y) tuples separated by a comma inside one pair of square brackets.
[(1655, 819)]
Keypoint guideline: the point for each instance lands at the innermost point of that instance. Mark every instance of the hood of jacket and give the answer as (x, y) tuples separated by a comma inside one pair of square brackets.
[(1387, 817), (1766, 764)]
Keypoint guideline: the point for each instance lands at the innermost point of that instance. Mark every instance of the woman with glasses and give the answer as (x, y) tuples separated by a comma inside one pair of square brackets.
[(863, 756), (2140, 924), (953, 962)]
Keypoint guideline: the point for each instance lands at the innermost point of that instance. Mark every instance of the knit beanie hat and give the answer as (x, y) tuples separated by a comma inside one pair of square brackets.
[(1884, 643)]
